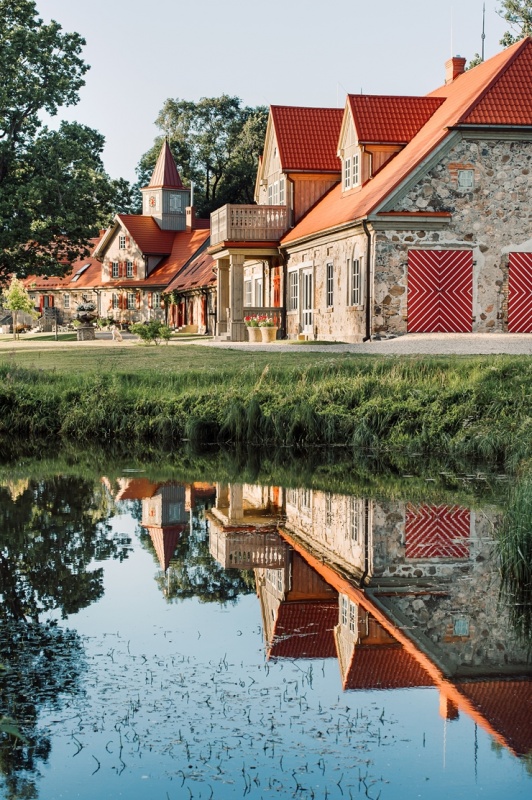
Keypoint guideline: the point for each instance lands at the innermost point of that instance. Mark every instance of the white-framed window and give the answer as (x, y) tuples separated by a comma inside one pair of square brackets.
[(247, 293), (66, 301), (354, 268), (466, 178), (293, 290), (347, 173), (356, 170), (258, 291), (355, 519), (461, 626), (306, 499), (131, 300), (276, 193), (282, 198), (115, 301), (352, 617), (344, 610), (129, 269), (270, 195), (156, 300), (114, 269), (330, 284), (328, 508), (176, 202), (122, 242)]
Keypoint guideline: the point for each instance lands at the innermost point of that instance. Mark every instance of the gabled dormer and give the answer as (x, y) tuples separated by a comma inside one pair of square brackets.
[(165, 198), (375, 128)]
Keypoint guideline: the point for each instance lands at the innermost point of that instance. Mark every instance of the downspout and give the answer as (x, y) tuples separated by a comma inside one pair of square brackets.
[(284, 333), (366, 543), (367, 337)]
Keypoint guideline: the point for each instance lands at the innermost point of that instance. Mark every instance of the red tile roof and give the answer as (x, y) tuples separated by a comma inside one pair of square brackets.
[(506, 705), (305, 629), (165, 174), (198, 272), (150, 238), (165, 541), (185, 245), (388, 119), (384, 667), (307, 138), (84, 273), (466, 98)]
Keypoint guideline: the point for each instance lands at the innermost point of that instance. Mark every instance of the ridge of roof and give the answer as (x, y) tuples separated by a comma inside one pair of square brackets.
[(334, 209), (165, 175)]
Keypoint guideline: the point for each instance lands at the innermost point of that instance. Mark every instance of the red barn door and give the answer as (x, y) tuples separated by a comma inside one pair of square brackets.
[(520, 293), (440, 291)]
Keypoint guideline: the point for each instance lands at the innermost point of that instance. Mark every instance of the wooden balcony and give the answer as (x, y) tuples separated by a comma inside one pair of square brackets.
[(232, 223)]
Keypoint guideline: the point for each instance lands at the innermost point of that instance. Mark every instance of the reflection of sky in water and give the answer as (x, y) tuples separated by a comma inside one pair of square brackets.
[(178, 702)]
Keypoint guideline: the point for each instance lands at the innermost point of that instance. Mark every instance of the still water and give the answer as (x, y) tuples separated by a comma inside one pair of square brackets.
[(166, 639)]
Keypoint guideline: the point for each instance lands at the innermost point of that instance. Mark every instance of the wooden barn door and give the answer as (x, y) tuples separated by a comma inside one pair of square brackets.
[(520, 293), (440, 291)]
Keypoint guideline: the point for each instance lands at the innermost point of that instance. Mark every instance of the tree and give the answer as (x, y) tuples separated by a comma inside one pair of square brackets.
[(54, 192), (17, 299), (519, 14), (216, 143)]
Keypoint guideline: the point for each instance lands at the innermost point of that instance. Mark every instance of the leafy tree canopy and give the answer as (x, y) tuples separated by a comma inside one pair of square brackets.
[(519, 14), (54, 192), (216, 144)]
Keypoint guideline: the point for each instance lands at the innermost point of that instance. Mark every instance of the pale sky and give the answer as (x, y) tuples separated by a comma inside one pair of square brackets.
[(284, 52)]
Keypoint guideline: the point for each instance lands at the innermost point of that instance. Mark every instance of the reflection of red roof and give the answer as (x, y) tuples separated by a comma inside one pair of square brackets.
[(199, 272), (387, 119), (165, 174), (507, 706), (307, 138), (498, 92), (384, 667), (305, 630), (165, 542), (136, 489)]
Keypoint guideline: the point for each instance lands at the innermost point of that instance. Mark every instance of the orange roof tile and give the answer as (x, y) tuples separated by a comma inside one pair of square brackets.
[(84, 273), (150, 238), (387, 119), (165, 174), (185, 245), (198, 272), (384, 667), (469, 93), (307, 138), (305, 630)]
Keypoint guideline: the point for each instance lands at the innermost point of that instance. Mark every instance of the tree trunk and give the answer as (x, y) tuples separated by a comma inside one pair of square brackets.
[(15, 324)]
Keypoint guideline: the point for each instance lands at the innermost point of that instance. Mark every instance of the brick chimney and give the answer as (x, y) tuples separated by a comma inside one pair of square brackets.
[(454, 67), (191, 218)]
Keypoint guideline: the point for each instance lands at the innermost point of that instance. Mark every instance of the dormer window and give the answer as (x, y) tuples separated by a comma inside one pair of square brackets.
[(347, 173), (122, 242), (281, 192), (356, 170), (176, 203)]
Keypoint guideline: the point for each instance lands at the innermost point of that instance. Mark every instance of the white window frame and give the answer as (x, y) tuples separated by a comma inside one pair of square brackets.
[(176, 203), (344, 607), (114, 300), (122, 241), (270, 195), (352, 617), (114, 269), (347, 173), (129, 269), (258, 292), (293, 290), (355, 519), (466, 179), (355, 282), (276, 193), (355, 180), (329, 284), (156, 300), (248, 293), (282, 198), (131, 301)]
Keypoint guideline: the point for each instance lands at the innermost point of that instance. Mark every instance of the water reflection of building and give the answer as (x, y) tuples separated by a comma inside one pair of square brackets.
[(402, 595)]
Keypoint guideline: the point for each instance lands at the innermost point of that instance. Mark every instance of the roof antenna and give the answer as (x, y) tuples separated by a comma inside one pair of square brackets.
[(483, 28)]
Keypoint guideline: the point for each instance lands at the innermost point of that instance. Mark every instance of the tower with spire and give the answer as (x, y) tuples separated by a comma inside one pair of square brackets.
[(165, 198)]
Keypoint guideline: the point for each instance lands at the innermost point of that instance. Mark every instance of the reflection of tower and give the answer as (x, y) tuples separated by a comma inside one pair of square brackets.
[(165, 517)]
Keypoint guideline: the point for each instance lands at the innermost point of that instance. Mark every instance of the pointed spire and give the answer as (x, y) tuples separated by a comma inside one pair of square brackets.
[(165, 174)]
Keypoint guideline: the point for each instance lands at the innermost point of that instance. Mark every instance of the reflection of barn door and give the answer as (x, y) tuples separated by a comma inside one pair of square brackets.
[(306, 305), (440, 291), (437, 532), (520, 293)]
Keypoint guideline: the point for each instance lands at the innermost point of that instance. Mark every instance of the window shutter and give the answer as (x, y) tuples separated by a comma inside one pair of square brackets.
[(150, 297), (135, 269), (127, 241), (137, 299), (41, 303), (50, 301)]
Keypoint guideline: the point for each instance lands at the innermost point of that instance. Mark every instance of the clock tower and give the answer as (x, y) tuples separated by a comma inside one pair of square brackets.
[(165, 198)]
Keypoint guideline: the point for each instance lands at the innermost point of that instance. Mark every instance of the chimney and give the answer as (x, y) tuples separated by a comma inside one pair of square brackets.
[(454, 67), (191, 218)]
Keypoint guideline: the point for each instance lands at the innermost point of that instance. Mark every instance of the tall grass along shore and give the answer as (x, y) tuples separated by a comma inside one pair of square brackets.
[(477, 407)]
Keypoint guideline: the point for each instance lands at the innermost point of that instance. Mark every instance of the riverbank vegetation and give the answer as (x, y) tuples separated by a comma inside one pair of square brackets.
[(470, 407)]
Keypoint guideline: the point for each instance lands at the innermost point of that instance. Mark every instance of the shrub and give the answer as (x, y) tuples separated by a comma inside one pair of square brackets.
[(152, 331)]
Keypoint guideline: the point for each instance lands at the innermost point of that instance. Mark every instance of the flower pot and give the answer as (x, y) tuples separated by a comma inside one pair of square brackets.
[(254, 334), (268, 334)]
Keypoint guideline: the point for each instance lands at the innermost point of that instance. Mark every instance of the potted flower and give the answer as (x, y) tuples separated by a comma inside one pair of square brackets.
[(268, 329), (254, 333)]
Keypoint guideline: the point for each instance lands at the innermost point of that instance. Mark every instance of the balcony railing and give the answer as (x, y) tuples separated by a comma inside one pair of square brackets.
[(249, 223)]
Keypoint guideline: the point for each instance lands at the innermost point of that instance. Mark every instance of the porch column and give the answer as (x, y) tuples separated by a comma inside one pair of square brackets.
[(236, 297), (222, 296), (236, 502)]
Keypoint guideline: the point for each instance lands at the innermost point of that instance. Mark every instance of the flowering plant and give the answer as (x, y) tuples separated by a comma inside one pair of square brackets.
[(266, 322), (251, 322)]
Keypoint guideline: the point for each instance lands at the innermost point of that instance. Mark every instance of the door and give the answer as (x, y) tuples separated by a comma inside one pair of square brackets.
[(307, 302), (440, 291), (520, 293)]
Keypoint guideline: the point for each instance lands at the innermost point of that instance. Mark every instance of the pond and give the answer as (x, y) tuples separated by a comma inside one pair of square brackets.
[(189, 636)]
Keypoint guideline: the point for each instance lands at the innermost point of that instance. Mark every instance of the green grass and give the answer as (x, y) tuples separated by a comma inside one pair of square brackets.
[(468, 407)]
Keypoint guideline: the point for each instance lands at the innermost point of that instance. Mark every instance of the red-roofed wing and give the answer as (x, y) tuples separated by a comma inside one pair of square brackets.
[(307, 138)]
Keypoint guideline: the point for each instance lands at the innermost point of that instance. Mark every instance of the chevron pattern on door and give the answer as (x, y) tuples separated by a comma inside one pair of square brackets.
[(440, 291), (437, 532), (520, 293)]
